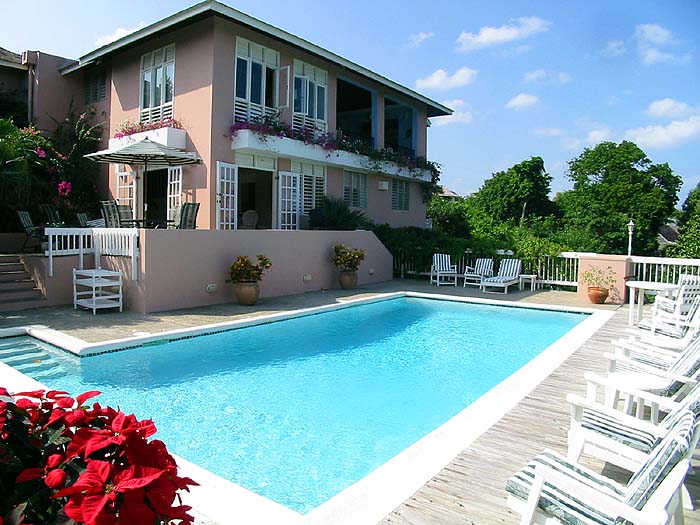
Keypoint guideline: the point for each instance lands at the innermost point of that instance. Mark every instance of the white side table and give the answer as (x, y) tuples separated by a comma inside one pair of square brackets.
[(524, 277), (97, 288)]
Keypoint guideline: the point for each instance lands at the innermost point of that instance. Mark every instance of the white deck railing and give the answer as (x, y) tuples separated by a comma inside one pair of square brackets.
[(121, 242), (663, 269)]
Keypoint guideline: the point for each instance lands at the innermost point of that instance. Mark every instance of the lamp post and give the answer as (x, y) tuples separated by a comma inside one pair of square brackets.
[(630, 231)]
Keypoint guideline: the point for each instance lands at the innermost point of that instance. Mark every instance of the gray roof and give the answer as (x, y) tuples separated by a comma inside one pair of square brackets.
[(10, 59), (212, 7)]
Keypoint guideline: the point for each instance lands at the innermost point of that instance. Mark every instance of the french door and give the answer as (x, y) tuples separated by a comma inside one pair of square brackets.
[(126, 188), (174, 197), (288, 200), (226, 196)]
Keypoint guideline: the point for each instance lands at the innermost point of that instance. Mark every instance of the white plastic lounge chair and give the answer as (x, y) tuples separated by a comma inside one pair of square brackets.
[(621, 439), (443, 271), (675, 335), (551, 489), (508, 275), (678, 306), (671, 379), (473, 275)]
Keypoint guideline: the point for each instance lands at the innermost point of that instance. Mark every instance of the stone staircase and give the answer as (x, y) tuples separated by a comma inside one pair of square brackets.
[(18, 291)]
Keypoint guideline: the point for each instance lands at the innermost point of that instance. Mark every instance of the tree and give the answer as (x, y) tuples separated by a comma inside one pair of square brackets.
[(517, 193), (689, 225), (614, 183), (449, 216)]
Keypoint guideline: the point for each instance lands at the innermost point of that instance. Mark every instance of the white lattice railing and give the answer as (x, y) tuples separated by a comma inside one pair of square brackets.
[(663, 269), (300, 121), (98, 241), (157, 113), (246, 111)]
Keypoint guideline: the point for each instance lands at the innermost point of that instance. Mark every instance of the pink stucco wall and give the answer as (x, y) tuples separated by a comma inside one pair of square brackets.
[(175, 266), (53, 92), (621, 266)]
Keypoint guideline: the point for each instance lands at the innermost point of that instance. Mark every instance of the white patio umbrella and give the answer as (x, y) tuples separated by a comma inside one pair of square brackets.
[(145, 153)]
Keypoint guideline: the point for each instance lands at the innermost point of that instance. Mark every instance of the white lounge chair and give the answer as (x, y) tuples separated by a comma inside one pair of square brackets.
[(551, 489), (678, 305), (442, 270), (508, 275), (677, 334), (473, 275)]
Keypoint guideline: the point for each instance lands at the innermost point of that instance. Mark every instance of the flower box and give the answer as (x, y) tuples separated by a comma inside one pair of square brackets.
[(168, 136), (247, 141)]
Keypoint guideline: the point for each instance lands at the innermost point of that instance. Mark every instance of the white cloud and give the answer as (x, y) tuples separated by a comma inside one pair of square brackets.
[(441, 80), (598, 135), (571, 143), (534, 76), (654, 34), (460, 115), (517, 29), (522, 101), (119, 33), (670, 108), (548, 132), (564, 78), (416, 39), (670, 135), (614, 48), (650, 37)]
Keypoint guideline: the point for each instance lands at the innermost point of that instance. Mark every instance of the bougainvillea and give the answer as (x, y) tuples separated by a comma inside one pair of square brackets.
[(127, 127), (62, 461), (64, 188)]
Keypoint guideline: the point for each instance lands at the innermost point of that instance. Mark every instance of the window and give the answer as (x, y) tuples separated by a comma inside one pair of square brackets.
[(157, 84), (95, 88), (399, 195), (313, 184), (256, 80), (355, 189), (309, 96)]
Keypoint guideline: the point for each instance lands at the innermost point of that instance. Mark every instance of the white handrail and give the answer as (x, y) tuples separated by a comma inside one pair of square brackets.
[(98, 241)]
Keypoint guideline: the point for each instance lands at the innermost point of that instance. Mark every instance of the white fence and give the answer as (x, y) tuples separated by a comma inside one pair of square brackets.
[(98, 241), (663, 269)]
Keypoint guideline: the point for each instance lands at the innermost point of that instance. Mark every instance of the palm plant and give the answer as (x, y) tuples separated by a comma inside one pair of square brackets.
[(334, 214)]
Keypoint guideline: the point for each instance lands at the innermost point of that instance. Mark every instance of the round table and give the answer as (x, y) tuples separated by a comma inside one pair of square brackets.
[(637, 287)]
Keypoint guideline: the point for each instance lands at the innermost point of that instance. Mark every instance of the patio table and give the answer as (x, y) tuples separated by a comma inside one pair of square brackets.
[(637, 288)]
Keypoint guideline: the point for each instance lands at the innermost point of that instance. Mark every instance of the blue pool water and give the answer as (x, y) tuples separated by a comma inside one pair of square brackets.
[(300, 409)]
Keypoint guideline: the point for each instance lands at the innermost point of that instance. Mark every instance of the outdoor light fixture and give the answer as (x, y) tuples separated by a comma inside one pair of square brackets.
[(630, 231)]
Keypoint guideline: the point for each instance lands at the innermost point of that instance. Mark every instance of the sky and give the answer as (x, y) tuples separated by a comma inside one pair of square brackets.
[(536, 78)]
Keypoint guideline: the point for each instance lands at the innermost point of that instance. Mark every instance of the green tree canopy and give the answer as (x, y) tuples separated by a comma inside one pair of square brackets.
[(614, 183), (516, 193), (689, 224)]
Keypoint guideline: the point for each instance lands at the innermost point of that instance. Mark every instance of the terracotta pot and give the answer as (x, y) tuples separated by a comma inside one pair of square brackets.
[(597, 295), (246, 293), (348, 280)]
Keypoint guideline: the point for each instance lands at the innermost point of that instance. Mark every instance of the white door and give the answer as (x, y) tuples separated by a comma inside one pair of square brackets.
[(288, 200), (226, 196), (126, 188), (174, 188)]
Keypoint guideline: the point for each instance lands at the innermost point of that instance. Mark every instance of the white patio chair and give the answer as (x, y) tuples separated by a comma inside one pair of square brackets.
[(675, 335), (473, 275), (508, 275), (621, 439), (442, 270), (669, 379), (677, 306), (550, 489)]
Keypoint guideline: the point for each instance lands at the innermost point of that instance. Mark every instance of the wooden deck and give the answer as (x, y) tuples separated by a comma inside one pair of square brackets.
[(470, 490)]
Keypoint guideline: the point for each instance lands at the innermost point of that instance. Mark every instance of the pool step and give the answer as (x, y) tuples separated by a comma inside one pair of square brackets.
[(18, 291), (29, 358)]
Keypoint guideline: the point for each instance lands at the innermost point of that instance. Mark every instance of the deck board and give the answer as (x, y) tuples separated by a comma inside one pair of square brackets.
[(470, 490)]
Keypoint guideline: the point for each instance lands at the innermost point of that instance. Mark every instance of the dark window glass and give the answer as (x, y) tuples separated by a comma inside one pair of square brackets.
[(269, 87), (256, 83), (241, 78)]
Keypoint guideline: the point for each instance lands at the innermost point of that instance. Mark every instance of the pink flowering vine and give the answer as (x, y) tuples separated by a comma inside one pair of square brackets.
[(64, 188), (40, 152)]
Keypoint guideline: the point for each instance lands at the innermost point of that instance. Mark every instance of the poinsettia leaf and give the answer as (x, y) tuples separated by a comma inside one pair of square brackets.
[(94, 511), (136, 477), (29, 474), (4, 392), (81, 398), (54, 394)]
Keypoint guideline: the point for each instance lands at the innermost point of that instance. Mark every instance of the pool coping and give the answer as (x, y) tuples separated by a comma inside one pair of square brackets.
[(374, 496)]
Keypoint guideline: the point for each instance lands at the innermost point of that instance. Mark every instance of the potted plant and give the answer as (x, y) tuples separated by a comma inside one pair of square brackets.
[(348, 260), (599, 282), (245, 277)]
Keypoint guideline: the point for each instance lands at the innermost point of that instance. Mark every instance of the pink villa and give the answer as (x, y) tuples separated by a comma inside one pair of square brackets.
[(211, 67)]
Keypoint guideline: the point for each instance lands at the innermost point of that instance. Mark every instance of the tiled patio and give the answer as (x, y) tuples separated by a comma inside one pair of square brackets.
[(470, 490)]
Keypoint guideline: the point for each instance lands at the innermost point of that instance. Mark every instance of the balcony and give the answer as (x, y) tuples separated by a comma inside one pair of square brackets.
[(167, 136), (247, 141)]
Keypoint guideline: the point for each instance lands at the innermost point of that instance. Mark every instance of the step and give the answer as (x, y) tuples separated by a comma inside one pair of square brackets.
[(11, 286), (9, 258), (20, 294), (25, 358), (15, 266), (13, 276), (22, 304)]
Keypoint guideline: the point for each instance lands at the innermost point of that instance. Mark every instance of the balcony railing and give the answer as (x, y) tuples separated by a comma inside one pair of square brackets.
[(355, 140), (97, 241), (407, 153)]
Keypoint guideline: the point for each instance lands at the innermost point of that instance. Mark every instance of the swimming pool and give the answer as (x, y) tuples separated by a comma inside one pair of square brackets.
[(298, 410)]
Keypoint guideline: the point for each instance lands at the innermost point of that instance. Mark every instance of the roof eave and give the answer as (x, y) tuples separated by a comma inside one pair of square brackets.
[(435, 109)]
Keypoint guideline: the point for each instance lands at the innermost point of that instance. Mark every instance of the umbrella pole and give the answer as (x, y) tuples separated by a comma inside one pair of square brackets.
[(143, 181)]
